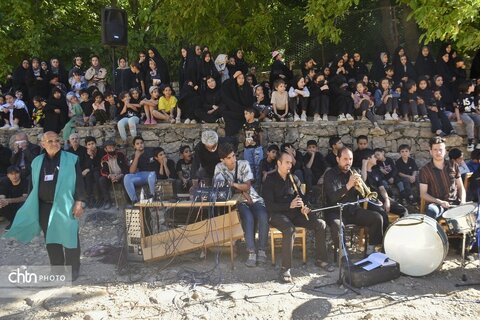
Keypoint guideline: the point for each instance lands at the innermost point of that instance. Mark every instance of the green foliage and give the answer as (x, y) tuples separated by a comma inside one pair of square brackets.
[(456, 21)]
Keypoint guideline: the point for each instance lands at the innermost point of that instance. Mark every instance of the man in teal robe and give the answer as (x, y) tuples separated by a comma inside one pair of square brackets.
[(54, 205)]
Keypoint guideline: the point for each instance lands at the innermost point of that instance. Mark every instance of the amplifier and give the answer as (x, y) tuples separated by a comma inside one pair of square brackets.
[(134, 235), (358, 277), (212, 194)]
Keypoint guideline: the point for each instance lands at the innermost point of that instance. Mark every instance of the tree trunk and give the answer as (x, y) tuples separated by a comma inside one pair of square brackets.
[(410, 30), (389, 34)]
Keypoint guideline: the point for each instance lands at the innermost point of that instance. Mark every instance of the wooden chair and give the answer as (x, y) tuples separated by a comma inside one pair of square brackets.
[(300, 235), (466, 180)]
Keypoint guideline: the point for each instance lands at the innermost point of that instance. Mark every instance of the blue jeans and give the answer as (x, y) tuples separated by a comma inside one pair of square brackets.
[(434, 211), (132, 180), (254, 156), (248, 214)]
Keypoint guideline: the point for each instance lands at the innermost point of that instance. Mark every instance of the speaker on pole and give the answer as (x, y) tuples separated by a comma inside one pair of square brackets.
[(114, 27)]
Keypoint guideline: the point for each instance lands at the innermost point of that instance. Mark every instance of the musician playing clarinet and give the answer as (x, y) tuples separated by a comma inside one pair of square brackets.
[(287, 209), (340, 187)]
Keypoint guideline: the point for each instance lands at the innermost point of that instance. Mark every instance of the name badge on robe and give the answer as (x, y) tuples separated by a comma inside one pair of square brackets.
[(48, 177)]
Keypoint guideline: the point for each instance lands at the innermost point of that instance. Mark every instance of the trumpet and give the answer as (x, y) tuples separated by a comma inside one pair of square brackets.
[(297, 191), (363, 189)]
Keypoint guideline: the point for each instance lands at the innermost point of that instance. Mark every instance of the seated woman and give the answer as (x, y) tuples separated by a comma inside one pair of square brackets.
[(209, 111), (167, 106)]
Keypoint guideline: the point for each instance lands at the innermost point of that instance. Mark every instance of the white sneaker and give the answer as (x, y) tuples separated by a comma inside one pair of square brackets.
[(478, 146), (178, 120), (395, 116), (349, 117), (470, 147), (325, 117), (193, 121), (5, 127), (267, 120), (316, 118), (303, 117), (388, 117), (14, 127), (296, 117), (341, 118), (187, 121)]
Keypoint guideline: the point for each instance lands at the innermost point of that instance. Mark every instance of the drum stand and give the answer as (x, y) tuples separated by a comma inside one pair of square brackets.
[(341, 246)]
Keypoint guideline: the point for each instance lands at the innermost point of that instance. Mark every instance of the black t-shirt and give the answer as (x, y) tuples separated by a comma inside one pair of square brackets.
[(375, 180), (87, 107), (171, 168), (266, 166), (318, 166), (10, 191), (389, 166), (406, 168), (252, 131), (331, 159), (185, 168), (146, 161), (358, 156)]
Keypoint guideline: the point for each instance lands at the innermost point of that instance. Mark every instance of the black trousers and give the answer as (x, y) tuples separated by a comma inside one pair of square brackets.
[(10, 211), (58, 254), (320, 104), (395, 208), (372, 220), (92, 185), (105, 184), (439, 121), (287, 223)]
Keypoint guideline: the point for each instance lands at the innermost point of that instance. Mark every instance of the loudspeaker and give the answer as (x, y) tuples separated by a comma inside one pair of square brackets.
[(114, 27)]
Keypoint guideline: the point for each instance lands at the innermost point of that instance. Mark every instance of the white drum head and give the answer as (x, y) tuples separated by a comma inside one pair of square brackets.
[(459, 211), (415, 243)]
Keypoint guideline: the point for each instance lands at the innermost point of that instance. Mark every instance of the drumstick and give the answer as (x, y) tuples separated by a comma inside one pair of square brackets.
[(298, 193)]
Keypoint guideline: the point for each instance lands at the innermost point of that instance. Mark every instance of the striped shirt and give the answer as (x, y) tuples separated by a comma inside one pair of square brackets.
[(441, 183)]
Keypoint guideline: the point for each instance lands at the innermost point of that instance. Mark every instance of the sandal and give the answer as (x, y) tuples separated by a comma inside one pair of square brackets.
[(285, 276), (325, 266)]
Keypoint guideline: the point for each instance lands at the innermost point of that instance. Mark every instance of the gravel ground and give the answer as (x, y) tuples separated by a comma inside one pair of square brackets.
[(189, 287)]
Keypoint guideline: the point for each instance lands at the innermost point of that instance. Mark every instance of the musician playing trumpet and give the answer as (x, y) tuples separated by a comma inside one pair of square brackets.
[(375, 181), (341, 185), (288, 209)]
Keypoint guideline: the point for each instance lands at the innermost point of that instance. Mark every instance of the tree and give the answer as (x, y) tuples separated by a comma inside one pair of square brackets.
[(455, 21)]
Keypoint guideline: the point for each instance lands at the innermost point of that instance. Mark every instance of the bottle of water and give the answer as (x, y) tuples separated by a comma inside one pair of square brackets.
[(142, 195)]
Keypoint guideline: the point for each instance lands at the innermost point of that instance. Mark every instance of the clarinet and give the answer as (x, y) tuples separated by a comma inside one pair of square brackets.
[(295, 188)]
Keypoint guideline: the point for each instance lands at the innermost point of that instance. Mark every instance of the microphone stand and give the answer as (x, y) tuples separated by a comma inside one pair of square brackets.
[(341, 246)]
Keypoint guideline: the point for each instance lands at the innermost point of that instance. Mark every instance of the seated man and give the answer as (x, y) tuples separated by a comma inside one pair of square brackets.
[(297, 160), (91, 172), (375, 180), (114, 166), (23, 154), (340, 185), (13, 193), (287, 210), (141, 171), (205, 156), (440, 181), (239, 175), (335, 143), (76, 148)]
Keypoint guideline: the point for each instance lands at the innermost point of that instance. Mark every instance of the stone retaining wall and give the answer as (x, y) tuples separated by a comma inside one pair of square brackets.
[(171, 137)]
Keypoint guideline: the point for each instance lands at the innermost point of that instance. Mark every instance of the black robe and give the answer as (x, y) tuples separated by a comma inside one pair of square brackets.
[(234, 101)]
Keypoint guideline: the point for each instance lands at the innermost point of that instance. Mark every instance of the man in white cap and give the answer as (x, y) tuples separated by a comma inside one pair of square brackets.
[(205, 156)]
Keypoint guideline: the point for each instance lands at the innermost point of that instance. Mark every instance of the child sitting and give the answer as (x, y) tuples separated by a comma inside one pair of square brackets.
[(184, 170), (99, 111), (466, 112), (253, 151), (386, 100), (150, 104), (164, 167), (412, 105), (408, 173), (167, 107), (76, 117), (363, 104), (298, 99), (319, 98), (280, 100), (38, 116)]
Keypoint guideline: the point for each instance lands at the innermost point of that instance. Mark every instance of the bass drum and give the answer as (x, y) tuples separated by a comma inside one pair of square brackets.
[(418, 243)]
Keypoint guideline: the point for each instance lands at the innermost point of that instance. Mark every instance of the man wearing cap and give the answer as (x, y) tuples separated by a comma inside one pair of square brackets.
[(13, 192), (53, 206), (113, 167), (205, 156)]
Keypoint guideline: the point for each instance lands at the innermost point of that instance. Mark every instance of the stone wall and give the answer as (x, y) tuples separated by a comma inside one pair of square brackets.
[(171, 137)]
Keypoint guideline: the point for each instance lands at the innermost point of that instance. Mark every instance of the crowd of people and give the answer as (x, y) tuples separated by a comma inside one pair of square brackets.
[(266, 183), (395, 88)]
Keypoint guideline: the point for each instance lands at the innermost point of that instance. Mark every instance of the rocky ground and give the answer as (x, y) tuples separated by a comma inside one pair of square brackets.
[(188, 287)]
